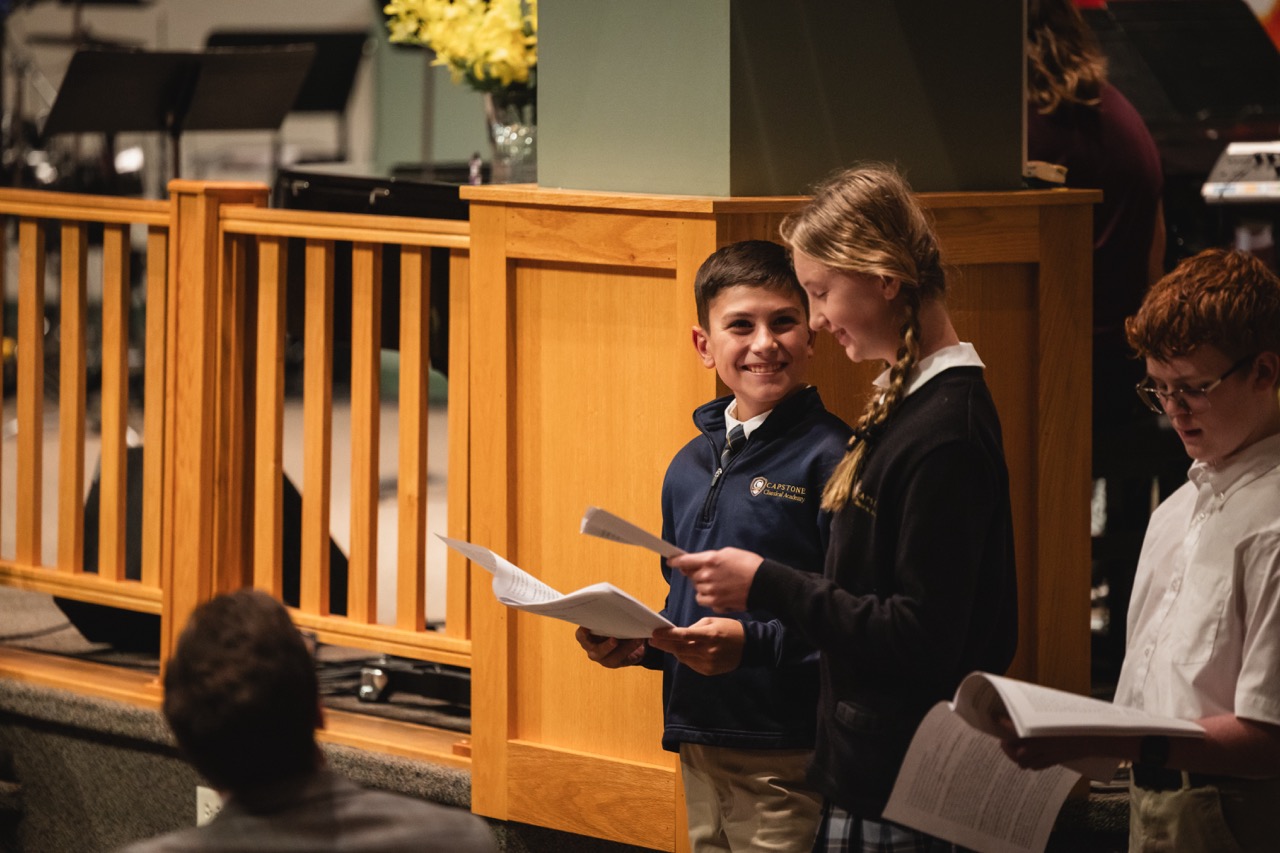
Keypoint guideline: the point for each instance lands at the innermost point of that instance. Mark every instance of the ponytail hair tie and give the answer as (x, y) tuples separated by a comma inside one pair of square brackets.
[(866, 434)]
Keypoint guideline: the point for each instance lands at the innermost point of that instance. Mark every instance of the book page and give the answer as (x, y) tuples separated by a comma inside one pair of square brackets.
[(957, 784), (1038, 711), (601, 608), (604, 524)]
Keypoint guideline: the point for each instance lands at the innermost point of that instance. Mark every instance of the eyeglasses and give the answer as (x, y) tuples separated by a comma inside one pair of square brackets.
[(1193, 400)]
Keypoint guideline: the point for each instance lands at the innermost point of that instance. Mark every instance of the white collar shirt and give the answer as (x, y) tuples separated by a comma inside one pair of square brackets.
[(957, 355), (1204, 618), (748, 426)]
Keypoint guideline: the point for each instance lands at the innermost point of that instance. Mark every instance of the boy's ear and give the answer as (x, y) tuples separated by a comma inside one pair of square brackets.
[(1268, 367), (700, 344)]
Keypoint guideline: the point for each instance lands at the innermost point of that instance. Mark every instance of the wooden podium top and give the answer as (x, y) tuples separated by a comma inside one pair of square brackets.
[(547, 196)]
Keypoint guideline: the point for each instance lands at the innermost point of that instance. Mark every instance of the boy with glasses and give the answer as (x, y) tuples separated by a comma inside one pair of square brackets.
[(1204, 620)]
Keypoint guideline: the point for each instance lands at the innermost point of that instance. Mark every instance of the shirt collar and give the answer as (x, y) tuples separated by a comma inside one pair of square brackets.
[(748, 426), (1239, 469), (957, 355)]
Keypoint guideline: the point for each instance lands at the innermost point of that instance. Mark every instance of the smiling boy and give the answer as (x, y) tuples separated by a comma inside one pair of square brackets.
[(1204, 621), (739, 691)]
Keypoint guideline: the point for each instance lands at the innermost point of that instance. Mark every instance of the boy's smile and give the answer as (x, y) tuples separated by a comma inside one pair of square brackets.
[(759, 343)]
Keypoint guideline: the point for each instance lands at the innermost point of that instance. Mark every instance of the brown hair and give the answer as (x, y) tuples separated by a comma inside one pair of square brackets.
[(1064, 62), (241, 694), (1220, 297), (752, 263), (865, 220)]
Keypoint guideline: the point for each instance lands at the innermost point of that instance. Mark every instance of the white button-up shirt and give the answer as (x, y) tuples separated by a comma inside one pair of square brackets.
[(1204, 619)]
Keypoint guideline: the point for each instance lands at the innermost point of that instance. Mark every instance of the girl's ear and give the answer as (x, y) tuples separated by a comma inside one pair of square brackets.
[(889, 287)]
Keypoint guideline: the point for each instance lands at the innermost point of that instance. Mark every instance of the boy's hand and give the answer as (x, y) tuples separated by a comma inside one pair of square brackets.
[(710, 646), (608, 651), (722, 578)]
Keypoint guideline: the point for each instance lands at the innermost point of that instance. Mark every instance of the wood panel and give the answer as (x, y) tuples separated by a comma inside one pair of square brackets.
[(603, 396), (491, 323), (1063, 449), (579, 322), (584, 800)]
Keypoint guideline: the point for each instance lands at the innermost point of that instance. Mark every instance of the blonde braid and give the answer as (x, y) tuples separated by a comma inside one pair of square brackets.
[(844, 480)]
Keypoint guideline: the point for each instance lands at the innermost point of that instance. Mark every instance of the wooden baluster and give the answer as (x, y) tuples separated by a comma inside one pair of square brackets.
[(366, 344), (317, 417), (115, 401), (411, 563), (234, 457), (269, 416), (154, 403), (458, 592), (31, 320), (4, 295), (74, 248)]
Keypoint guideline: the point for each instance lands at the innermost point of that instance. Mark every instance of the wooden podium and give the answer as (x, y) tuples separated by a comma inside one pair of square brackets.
[(579, 386)]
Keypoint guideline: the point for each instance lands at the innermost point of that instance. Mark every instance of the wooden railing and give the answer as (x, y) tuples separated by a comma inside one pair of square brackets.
[(216, 266), (36, 215)]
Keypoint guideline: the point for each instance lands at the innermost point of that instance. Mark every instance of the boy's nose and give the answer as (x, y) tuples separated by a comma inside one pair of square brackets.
[(764, 339)]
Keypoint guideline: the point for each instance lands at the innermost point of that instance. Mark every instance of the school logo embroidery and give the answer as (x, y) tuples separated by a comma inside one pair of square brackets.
[(786, 491), (864, 502)]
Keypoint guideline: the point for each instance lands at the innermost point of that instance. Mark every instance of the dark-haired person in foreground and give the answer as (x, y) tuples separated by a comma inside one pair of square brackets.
[(242, 699)]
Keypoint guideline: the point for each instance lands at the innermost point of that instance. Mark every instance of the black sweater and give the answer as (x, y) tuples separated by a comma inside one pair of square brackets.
[(919, 587)]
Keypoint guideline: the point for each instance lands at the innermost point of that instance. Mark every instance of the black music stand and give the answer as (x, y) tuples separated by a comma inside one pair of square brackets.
[(110, 92), (328, 85)]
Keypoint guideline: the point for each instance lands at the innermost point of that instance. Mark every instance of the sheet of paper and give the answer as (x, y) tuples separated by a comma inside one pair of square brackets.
[(601, 608), (604, 524), (957, 784)]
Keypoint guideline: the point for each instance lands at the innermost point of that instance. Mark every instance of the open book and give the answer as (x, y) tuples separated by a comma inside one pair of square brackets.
[(601, 608), (956, 782)]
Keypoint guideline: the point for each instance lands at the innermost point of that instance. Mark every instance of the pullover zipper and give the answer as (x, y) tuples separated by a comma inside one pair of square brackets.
[(709, 505)]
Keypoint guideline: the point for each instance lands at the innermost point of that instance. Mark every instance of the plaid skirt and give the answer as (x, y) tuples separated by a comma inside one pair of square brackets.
[(841, 832)]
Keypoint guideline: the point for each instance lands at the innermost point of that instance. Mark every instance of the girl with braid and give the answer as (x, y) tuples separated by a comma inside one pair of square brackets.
[(918, 587)]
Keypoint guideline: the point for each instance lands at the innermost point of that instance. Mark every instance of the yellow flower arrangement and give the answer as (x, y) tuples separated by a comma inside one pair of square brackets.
[(490, 44)]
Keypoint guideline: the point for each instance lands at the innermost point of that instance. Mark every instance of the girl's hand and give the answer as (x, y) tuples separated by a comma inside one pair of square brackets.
[(722, 578)]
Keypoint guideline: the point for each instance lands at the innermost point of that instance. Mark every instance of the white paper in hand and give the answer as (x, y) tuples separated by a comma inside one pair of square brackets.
[(601, 608), (604, 524)]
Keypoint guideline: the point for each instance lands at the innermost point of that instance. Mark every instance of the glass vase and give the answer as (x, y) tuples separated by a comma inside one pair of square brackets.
[(512, 124)]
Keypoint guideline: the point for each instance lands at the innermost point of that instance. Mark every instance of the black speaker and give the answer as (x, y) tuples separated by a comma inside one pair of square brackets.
[(128, 630)]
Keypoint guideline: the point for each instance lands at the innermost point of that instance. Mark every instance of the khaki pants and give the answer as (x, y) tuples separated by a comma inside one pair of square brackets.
[(1233, 816), (748, 799)]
